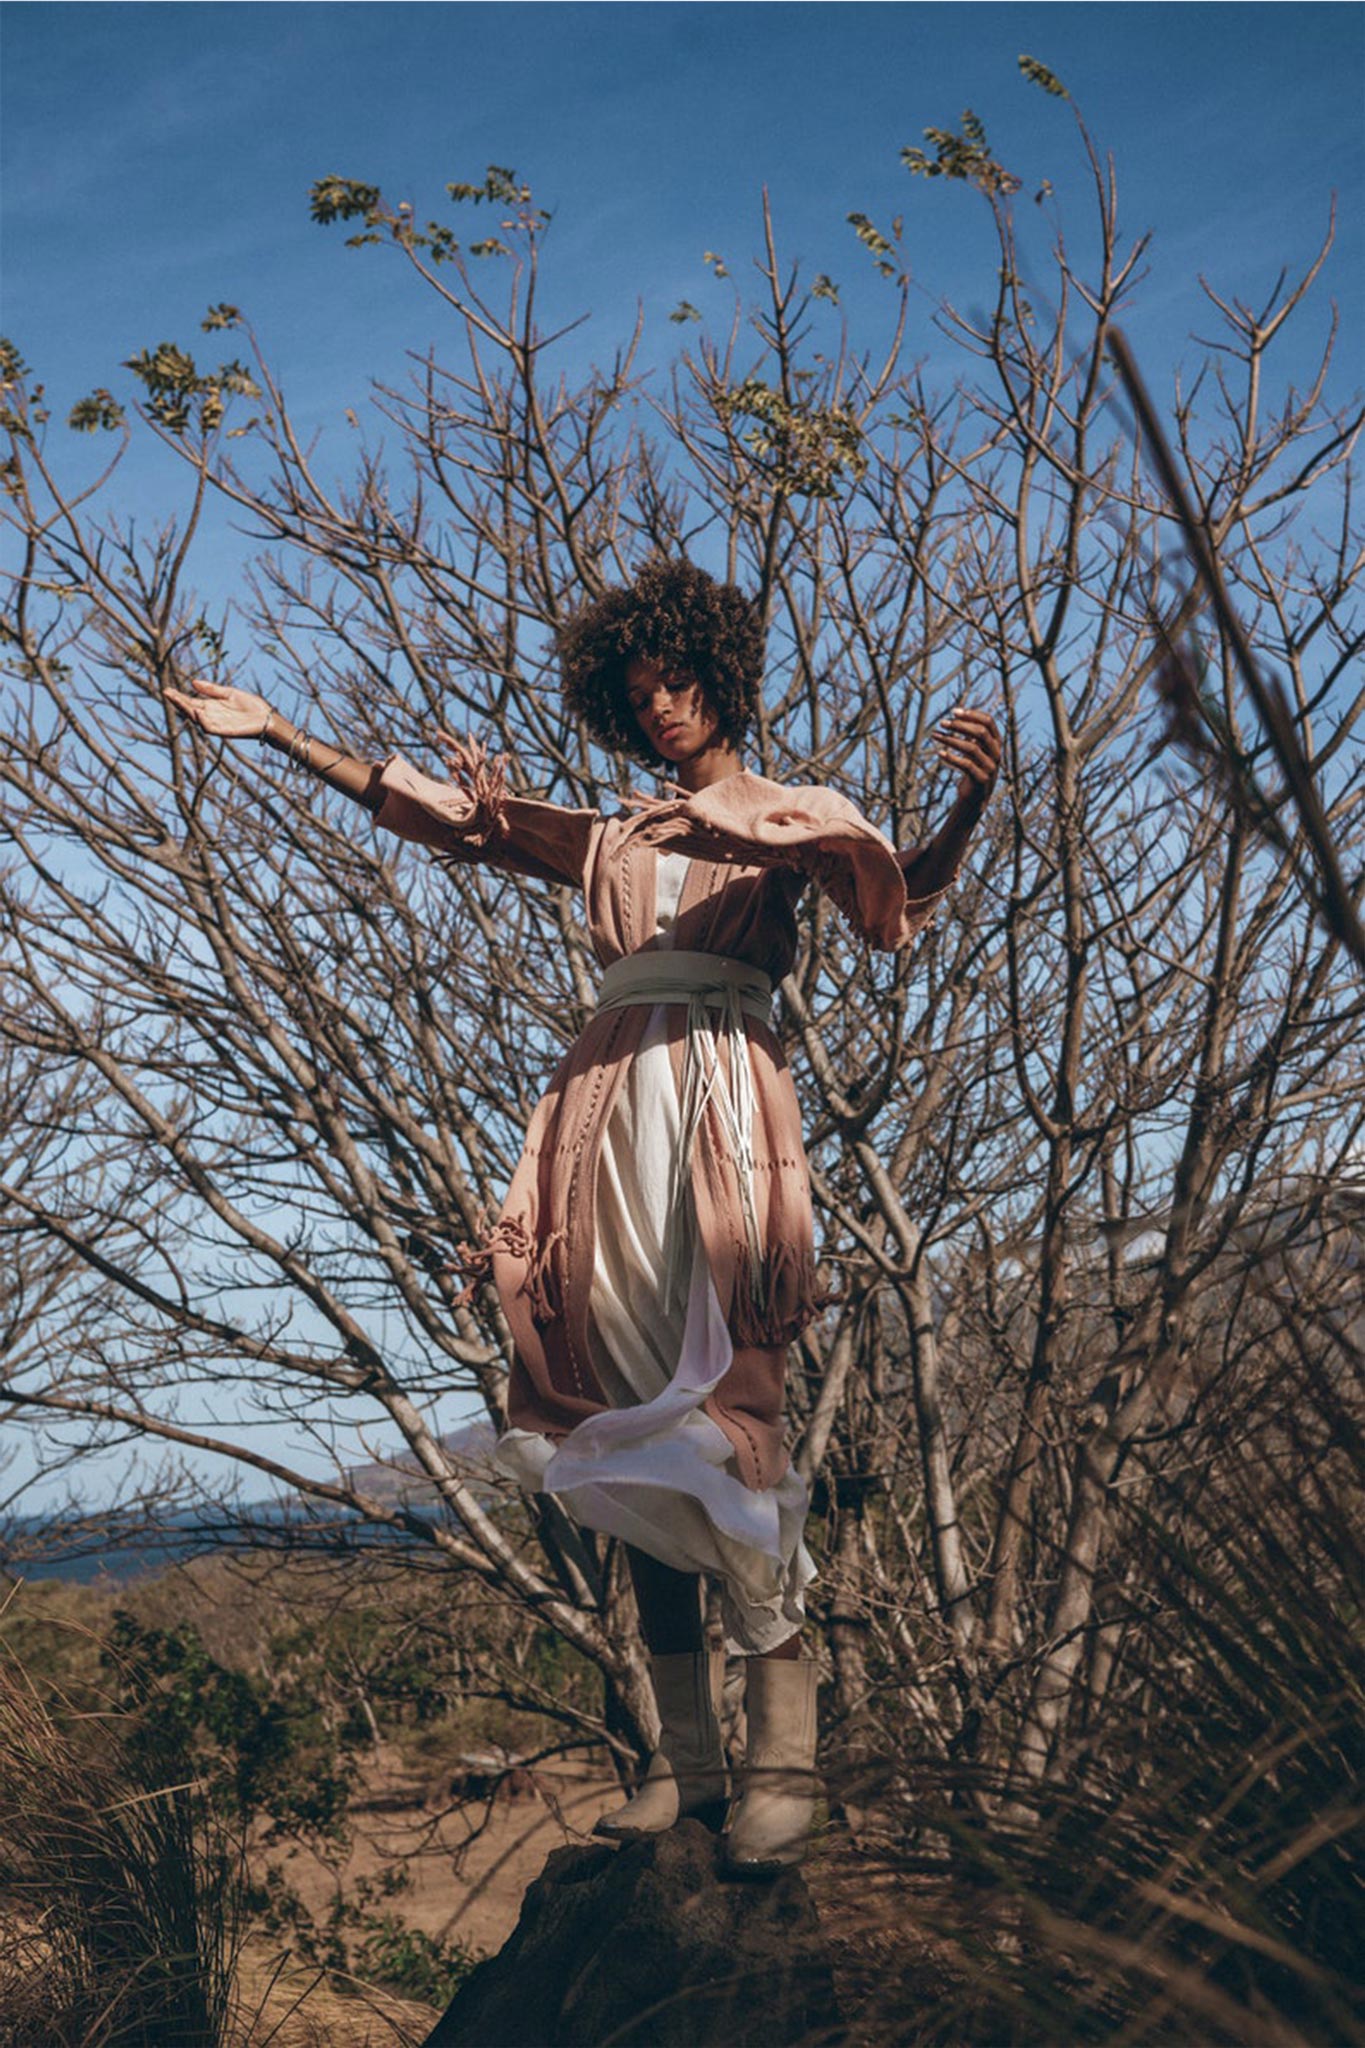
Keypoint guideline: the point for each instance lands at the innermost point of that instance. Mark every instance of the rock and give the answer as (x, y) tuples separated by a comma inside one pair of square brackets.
[(645, 1947)]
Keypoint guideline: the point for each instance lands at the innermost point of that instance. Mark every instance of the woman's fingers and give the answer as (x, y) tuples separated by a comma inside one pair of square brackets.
[(222, 710), (971, 724), (977, 750), (968, 743), (977, 766), (190, 705)]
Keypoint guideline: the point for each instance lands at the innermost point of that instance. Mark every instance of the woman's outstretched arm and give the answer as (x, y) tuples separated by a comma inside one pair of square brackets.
[(969, 743), (472, 817), (233, 714)]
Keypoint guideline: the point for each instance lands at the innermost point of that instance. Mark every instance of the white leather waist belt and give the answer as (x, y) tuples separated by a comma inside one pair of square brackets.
[(705, 982)]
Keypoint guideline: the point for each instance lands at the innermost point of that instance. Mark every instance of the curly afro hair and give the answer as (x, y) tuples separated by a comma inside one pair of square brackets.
[(678, 617)]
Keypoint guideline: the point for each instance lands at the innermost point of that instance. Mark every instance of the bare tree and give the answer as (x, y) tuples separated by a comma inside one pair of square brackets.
[(287, 1068)]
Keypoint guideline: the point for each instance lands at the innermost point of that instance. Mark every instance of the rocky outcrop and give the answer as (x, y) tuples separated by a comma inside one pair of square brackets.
[(646, 1947)]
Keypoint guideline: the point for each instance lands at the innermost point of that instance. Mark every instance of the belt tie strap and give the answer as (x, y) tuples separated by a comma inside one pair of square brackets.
[(706, 982)]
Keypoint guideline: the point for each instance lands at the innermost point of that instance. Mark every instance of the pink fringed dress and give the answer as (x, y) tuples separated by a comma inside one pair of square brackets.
[(652, 1296)]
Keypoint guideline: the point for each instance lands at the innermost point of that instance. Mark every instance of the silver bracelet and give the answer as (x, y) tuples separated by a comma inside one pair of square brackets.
[(300, 751)]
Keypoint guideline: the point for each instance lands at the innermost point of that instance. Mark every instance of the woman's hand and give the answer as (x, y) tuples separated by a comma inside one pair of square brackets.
[(969, 742), (219, 709)]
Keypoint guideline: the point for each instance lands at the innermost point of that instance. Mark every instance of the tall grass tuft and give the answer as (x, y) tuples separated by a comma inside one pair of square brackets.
[(120, 1892), (1190, 1871)]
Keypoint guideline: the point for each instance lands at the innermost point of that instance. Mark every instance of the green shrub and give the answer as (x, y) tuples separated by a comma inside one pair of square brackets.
[(410, 1962)]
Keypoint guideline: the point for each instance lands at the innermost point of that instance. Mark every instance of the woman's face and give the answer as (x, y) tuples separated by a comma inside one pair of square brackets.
[(673, 712)]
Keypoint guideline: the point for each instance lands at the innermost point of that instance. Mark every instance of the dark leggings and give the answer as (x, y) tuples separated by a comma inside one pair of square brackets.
[(670, 1609), (669, 1604)]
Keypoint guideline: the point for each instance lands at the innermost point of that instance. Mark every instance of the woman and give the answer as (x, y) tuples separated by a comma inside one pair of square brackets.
[(655, 1252)]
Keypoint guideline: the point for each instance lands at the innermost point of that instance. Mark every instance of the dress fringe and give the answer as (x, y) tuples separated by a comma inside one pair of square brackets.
[(775, 1297), (543, 1258), (775, 1301), (482, 777)]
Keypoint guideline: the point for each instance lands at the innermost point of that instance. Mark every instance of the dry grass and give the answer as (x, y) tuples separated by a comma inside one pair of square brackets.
[(122, 1894), (291, 2007), (1189, 1870)]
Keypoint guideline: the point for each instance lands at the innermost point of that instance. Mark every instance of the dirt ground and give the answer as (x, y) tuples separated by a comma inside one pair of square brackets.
[(467, 1861)]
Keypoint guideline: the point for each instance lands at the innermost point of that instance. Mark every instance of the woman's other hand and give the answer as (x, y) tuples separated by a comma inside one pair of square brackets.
[(219, 709), (969, 743)]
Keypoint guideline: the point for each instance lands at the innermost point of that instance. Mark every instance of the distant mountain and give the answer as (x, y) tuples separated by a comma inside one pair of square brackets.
[(122, 1544), (402, 1478)]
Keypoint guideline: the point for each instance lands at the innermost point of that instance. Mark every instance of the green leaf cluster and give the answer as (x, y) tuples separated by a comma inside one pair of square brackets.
[(178, 392), (1038, 74), (20, 418), (883, 250), (966, 156), (334, 198), (500, 187), (99, 413), (210, 638), (805, 449)]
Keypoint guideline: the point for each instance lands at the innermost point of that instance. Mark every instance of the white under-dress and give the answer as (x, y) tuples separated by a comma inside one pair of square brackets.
[(654, 1469)]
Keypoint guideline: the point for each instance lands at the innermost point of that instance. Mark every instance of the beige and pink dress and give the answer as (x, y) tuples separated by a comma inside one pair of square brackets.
[(655, 1253)]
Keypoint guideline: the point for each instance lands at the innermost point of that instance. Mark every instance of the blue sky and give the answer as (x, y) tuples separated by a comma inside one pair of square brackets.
[(157, 159)]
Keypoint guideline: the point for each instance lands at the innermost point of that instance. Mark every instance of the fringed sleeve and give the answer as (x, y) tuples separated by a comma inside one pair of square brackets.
[(474, 817), (821, 835)]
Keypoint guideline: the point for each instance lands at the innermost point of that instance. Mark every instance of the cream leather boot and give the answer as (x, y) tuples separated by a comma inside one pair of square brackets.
[(686, 1774), (772, 1821)]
